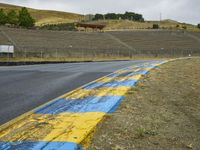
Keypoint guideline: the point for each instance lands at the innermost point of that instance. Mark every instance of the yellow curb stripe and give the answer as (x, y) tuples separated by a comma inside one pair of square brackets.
[(65, 127), (83, 93), (109, 79), (124, 71)]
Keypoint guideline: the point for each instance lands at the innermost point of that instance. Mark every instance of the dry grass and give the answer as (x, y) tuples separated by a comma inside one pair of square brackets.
[(74, 59), (131, 25), (46, 16), (161, 113), (55, 17)]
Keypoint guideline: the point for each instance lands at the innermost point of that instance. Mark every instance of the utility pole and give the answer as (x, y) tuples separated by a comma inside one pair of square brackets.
[(160, 17)]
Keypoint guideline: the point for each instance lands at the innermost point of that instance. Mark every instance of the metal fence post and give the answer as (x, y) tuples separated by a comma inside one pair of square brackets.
[(41, 56)]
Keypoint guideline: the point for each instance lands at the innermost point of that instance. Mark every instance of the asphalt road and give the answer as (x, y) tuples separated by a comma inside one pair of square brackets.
[(22, 88)]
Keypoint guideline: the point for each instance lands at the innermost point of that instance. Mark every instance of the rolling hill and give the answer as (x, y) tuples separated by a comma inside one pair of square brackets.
[(46, 16), (134, 25)]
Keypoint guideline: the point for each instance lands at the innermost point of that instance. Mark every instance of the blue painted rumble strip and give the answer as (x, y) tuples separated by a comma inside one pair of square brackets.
[(29, 145), (107, 104), (127, 83), (141, 67), (126, 74)]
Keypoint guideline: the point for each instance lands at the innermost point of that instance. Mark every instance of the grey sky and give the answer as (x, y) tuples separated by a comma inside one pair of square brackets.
[(181, 10)]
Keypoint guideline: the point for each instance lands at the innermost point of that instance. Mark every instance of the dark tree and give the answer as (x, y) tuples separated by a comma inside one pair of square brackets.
[(111, 16), (120, 16), (25, 19), (98, 17), (184, 27), (3, 17), (155, 26), (133, 16), (12, 17), (198, 26), (127, 15)]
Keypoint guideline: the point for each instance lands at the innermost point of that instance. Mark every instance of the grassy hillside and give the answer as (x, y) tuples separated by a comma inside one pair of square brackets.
[(126, 24), (46, 16)]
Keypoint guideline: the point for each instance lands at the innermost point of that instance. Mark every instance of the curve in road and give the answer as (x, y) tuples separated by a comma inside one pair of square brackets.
[(23, 88)]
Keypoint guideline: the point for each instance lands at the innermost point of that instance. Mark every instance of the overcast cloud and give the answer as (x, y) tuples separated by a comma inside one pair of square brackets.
[(181, 10)]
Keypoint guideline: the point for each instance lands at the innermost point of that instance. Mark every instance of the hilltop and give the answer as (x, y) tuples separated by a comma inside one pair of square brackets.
[(46, 16), (135, 25)]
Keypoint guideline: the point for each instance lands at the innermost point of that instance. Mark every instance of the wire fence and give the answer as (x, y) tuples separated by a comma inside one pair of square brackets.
[(57, 45), (81, 53)]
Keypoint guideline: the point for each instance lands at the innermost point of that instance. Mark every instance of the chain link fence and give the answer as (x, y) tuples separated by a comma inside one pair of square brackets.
[(91, 53)]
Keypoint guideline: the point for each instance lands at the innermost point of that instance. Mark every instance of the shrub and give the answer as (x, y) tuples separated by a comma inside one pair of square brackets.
[(198, 26), (184, 27), (62, 26), (155, 26)]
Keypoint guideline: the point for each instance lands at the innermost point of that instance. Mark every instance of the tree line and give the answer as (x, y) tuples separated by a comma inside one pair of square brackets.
[(126, 16), (21, 18)]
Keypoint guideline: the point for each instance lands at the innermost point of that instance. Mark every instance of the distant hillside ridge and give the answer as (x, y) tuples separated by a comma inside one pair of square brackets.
[(44, 17), (58, 20), (116, 25)]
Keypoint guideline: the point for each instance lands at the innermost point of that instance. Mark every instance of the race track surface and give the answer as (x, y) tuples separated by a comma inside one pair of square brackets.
[(23, 88)]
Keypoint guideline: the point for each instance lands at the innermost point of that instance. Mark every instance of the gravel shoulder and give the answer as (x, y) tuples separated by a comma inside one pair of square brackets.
[(162, 112)]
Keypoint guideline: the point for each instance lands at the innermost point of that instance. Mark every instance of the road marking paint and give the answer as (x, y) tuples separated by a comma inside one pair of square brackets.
[(109, 79), (25, 145), (106, 104), (68, 120), (112, 84), (64, 127), (128, 70), (129, 73), (83, 93)]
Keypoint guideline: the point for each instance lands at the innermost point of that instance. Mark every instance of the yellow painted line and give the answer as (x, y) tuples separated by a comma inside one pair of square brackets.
[(135, 77), (65, 127), (15, 120), (135, 70), (157, 64), (131, 70), (21, 117), (83, 93), (109, 79), (148, 69)]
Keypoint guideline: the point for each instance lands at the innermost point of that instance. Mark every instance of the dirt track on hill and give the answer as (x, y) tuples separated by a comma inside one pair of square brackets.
[(162, 112)]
